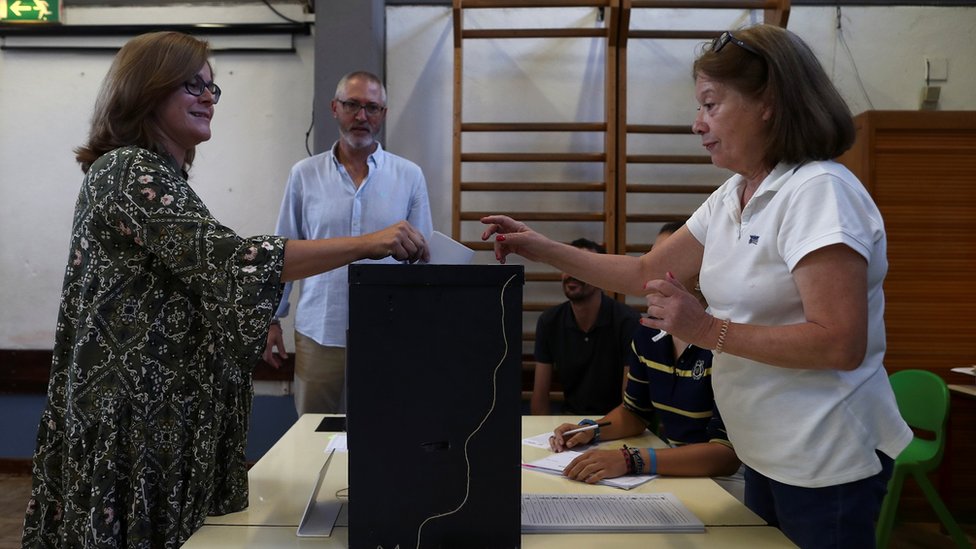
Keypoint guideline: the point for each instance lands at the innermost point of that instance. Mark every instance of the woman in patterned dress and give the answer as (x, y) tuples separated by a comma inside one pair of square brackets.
[(163, 314)]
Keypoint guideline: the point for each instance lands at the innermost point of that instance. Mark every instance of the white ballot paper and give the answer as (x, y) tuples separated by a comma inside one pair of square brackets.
[(555, 463), (446, 251), (545, 513)]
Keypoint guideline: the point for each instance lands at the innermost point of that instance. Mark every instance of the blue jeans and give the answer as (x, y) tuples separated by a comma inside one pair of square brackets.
[(839, 516)]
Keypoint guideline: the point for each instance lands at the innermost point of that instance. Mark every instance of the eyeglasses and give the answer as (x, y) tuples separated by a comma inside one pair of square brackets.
[(196, 86), (727, 37), (353, 107)]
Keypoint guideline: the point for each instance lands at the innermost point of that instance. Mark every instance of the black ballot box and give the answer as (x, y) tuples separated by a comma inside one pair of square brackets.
[(434, 405)]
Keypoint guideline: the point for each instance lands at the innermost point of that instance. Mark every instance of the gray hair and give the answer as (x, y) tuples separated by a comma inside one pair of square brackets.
[(365, 75)]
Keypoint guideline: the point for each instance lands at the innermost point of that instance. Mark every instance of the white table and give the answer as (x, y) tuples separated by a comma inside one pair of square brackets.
[(968, 391), (719, 537), (281, 481), (703, 496)]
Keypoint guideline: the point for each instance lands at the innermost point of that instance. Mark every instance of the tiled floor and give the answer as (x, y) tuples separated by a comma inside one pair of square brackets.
[(15, 491)]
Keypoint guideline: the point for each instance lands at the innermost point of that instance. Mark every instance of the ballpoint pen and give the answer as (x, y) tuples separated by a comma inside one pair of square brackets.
[(586, 428)]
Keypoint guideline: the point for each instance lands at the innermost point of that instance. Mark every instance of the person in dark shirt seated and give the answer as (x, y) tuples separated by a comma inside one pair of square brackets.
[(586, 341)]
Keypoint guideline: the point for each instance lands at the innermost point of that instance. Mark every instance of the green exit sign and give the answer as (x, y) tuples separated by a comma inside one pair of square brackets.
[(30, 11)]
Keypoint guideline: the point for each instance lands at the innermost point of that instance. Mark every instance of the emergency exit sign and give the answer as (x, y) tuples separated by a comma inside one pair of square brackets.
[(30, 11)]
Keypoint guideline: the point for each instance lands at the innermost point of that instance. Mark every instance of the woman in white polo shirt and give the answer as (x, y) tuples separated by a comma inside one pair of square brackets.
[(791, 257)]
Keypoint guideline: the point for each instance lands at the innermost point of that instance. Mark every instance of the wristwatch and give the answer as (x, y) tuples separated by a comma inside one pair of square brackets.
[(596, 432)]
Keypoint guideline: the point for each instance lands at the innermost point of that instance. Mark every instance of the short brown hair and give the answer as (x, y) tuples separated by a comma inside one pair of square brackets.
[(143, 74), (810, 119)]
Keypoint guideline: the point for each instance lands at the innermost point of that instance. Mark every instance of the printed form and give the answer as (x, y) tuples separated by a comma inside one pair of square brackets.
[(602, 512)]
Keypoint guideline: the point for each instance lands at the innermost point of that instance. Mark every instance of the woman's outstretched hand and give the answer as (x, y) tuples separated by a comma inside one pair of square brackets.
[(512, 236)]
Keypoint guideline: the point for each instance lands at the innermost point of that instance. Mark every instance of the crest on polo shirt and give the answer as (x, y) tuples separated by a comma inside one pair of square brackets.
[(699, 370)]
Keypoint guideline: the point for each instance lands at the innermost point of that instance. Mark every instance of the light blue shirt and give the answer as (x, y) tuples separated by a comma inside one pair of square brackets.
[(321, 201)]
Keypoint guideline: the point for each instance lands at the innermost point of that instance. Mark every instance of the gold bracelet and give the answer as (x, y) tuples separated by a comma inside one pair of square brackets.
[(721, 336)]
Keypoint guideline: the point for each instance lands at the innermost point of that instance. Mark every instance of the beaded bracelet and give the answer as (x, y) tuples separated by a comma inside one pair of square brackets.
[(721, 336), (627, 460), (637, 460), (652, 470)]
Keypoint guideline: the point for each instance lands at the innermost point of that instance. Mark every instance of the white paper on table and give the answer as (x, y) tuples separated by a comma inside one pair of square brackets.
[(555, 463), (538, 441), (968, 370), (446, 251), (337, 443), (542, 441)]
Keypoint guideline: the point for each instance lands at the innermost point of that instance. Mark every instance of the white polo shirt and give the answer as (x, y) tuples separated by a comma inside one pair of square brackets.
[(801, 427)]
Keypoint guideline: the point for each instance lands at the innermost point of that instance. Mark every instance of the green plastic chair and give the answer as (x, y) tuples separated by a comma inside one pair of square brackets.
[(923, 400)]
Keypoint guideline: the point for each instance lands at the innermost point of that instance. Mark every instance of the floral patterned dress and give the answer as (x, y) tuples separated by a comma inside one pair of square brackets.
[(163, 315)]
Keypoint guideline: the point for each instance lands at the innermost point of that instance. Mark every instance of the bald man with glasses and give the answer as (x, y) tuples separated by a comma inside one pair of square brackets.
[(354, 188)]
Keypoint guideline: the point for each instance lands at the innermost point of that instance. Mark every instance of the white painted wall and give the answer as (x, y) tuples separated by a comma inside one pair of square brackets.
[(46, 101), (259, 130)]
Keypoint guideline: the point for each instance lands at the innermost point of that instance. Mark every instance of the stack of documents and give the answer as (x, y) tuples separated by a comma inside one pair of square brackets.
[(554, 464), (545, 513), (968, 370)]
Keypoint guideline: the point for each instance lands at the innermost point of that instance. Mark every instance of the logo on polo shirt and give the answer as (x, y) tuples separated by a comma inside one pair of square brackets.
[(754, 239), (699, 370)]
